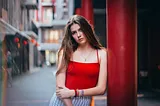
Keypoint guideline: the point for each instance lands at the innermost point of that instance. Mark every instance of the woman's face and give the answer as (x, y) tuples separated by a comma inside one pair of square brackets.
[(78, 35)]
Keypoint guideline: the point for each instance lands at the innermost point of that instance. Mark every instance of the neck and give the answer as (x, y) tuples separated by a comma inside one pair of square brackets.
[(84, 47)]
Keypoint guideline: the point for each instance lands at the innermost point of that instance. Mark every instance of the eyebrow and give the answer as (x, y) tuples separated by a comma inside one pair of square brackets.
[(78, 30)]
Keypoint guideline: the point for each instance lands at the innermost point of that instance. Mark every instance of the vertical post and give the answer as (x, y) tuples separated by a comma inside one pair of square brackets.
[(87, 8), (122, 55), (78, 11)]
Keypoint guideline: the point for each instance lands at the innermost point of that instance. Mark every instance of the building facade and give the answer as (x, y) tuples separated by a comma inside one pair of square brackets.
[(51, 17), (16, 33)]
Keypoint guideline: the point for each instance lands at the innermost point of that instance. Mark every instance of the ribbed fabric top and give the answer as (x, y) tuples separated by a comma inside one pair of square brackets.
[(82, 75)]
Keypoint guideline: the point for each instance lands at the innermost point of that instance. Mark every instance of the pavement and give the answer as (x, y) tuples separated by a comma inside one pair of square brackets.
[(144, 98), (35, 88)]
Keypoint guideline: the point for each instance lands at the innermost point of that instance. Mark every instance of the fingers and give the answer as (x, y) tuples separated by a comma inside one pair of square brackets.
[(62, 93), (57, 88), (58, 91), (59, 95)]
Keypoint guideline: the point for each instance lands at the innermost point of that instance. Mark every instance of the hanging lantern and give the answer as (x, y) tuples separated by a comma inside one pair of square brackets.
[(25, 42), (16, 39), (33, 41), (37, 44)]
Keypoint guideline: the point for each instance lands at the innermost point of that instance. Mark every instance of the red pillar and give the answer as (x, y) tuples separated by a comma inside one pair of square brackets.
[(87, 10), (78, 11), (122, 52)]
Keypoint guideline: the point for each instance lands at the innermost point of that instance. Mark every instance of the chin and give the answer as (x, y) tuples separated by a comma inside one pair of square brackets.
[(82, 43)]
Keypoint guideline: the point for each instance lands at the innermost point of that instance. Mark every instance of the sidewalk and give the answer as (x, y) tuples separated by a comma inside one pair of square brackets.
[(34, 69), (31, 88), (100, 100), (144, 98)]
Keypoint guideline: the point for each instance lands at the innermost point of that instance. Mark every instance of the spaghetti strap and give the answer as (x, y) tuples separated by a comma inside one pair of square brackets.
[(97, 56)]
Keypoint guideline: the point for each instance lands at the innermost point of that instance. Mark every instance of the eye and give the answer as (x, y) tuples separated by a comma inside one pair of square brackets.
[(73, 32)]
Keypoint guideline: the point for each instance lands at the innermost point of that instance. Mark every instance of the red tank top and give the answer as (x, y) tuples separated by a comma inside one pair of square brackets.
[(82, 75)]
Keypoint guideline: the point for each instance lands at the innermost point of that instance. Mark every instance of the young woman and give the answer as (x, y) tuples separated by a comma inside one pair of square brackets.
[(82, 62)]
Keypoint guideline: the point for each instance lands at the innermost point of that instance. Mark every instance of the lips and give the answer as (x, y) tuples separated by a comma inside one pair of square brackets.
[(80, 39)]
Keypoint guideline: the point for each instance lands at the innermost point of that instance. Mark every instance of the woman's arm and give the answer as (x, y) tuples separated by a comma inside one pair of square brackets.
[(102, 80), (60, 84), (61, 77)]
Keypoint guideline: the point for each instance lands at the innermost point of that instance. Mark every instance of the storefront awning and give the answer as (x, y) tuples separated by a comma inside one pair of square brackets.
[(31, 34), (7, 29)]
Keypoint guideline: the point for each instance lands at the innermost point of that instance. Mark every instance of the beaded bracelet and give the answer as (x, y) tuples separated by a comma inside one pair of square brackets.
[(81, 92), (78, 92)]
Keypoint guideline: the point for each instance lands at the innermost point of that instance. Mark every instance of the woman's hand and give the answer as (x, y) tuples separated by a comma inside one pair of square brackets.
[(63, 92)]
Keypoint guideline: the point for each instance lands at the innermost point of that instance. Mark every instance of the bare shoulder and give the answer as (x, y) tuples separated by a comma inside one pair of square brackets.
[(102, 52)]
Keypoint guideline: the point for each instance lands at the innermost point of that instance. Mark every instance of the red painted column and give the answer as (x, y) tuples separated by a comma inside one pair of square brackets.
[(87, 10), (78, 11), (122, 52)]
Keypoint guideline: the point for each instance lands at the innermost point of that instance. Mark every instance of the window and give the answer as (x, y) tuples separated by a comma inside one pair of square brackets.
[(54, 35), (51, 36), (48, 15)]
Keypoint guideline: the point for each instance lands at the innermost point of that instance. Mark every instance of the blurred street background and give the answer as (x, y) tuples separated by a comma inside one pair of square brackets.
[(31, 31)]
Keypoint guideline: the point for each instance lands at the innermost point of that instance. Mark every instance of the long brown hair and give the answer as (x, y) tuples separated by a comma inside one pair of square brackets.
[(69, 45)]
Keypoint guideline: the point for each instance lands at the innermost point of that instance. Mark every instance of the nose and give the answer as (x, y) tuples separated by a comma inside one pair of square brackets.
[(78, 34)]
